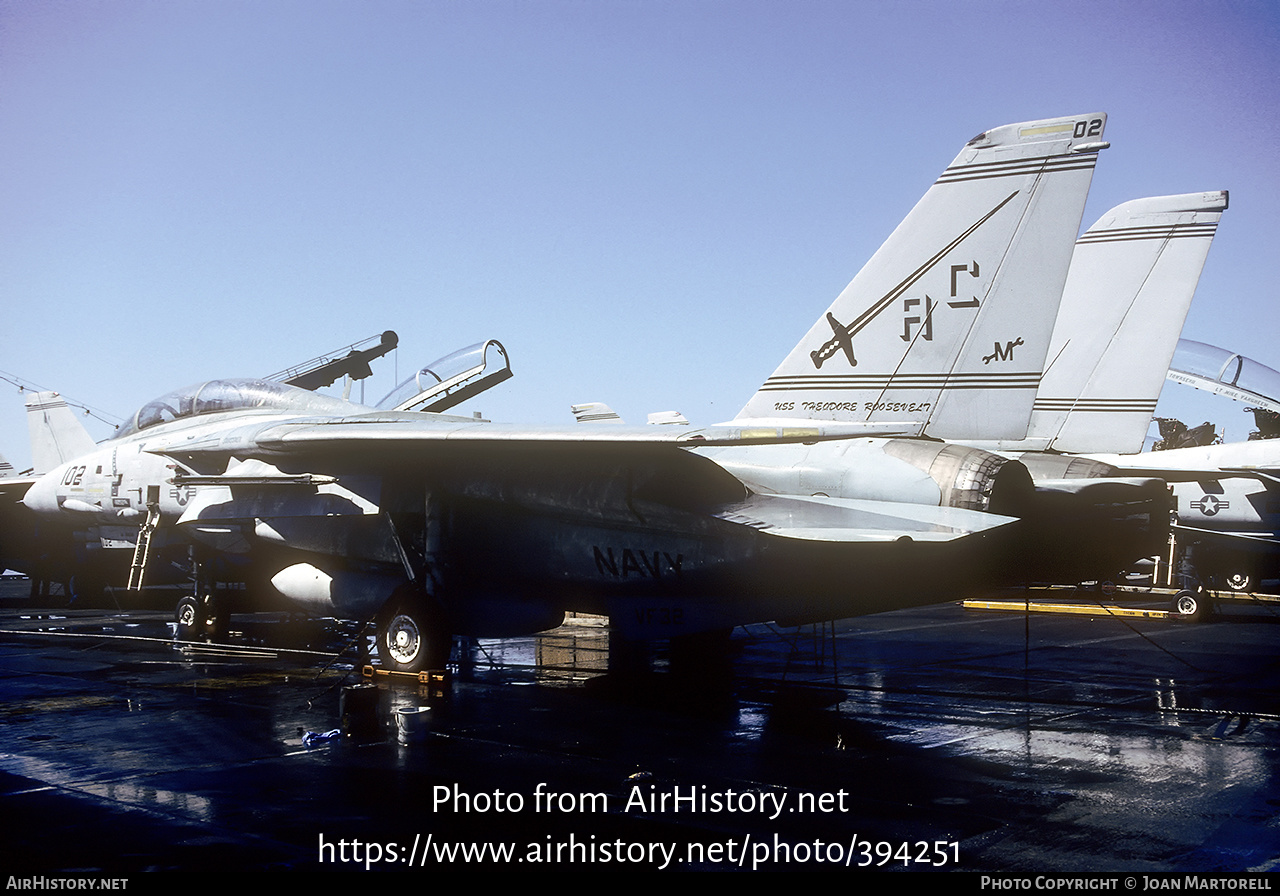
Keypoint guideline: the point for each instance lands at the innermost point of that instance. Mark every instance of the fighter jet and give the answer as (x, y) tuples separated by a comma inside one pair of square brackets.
[(993, 390), (1228, 496), (47, 549), (56, 435), (89, 558), (436, 525), (1228, 506)]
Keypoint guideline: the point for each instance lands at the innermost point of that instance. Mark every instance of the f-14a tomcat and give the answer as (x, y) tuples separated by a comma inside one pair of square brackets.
[(438, 524)]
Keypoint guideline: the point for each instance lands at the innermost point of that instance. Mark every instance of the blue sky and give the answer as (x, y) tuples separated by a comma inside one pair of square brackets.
[(648, 203)]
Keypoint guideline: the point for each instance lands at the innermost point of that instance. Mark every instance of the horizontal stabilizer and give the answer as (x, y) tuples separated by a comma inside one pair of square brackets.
[(303, 479), (1271, 476), (13, 488)]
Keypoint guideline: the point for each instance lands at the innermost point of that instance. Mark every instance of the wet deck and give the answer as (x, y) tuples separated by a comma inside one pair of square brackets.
[(936, 737)]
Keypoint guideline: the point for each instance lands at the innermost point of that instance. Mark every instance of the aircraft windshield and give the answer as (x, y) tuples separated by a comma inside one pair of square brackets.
[(1217, 366), (451, 380), (215, 396)]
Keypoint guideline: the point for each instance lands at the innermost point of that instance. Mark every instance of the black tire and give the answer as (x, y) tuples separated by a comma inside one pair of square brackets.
[(190, 619), (412, 635), (1190, 606)]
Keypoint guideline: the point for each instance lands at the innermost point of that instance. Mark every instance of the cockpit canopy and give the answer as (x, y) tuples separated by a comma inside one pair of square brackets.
[(1228, 373), (216, 396), (451, 380)]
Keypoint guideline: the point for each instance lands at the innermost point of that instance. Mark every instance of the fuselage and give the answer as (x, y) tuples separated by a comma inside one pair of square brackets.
[(1223, 488), (653, 536)]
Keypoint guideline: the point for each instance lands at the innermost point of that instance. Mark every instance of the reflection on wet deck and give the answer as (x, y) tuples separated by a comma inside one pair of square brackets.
[(1038, 742), (574, 652)]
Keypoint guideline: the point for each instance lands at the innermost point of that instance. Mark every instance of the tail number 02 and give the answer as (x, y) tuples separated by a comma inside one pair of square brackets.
[(1088, 128)]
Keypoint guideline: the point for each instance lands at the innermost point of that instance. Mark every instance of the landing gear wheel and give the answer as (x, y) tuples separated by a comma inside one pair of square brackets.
[(202, 618), (411, 633), (1190, 606), (190, 619)]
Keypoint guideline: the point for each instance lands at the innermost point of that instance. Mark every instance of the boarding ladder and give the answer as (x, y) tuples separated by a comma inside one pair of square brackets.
[(142, 550)]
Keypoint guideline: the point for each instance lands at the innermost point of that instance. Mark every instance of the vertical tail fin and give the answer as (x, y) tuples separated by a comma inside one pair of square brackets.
[(56, 435), (1130, 285), (945, 330)]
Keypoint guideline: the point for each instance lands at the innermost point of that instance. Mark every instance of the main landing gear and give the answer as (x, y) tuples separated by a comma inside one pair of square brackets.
[(412, 632)]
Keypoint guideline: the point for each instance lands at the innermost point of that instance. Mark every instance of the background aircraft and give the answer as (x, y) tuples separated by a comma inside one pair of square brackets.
[(48, 549), (1132, 280), (1224, 372), (1228, 496), (85, 559)]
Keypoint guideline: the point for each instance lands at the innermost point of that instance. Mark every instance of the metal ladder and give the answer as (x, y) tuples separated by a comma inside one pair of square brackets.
[(142, 550)]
